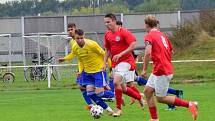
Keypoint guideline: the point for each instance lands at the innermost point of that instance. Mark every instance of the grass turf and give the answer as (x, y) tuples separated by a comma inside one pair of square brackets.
[(68, 105)]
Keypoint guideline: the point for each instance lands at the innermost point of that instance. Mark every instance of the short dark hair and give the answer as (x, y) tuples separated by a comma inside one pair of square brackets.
[(110, 15), (119, 23), (79, 32), (71, 25)]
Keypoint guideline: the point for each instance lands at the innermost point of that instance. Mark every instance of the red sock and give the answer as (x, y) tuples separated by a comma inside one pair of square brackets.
[(132, 93), (180, 102), (153, 112), (135, 89), (118, 95)]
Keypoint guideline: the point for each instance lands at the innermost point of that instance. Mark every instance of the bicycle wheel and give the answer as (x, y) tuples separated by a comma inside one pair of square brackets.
[(29, 74), (41, 73), (8, 77), (54, 73)]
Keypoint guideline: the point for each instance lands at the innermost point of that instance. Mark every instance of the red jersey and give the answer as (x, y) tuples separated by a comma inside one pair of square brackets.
[(161, 53), (117, 42)]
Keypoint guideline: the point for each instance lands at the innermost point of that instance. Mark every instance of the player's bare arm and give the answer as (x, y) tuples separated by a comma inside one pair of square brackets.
[(129, 49), (146, 58), (61, 60), (106, 56)]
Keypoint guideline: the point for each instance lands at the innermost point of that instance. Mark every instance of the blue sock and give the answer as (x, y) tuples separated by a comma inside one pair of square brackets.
[(111, 84), (141, 81), (106, 94), (97, 99), (86, 98), (172, 91)]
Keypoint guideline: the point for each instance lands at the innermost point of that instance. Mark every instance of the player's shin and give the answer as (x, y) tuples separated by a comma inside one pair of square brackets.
[(180, 102), (132, 93), (86, 97), (98, 100), (106, 94), (118, 95)]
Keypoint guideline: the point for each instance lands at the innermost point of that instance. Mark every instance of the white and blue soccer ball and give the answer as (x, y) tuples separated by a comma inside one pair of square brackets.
[(96, 111)]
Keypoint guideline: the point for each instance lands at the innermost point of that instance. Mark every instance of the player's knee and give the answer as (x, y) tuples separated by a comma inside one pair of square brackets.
[(160, 99), (148, 92), (99, 90), (100, 94), (116, 84), (129, 84), (82, 88), (90, 93), (124, 90)]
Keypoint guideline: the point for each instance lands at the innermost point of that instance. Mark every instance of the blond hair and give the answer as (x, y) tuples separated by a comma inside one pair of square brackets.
[(151, 21)]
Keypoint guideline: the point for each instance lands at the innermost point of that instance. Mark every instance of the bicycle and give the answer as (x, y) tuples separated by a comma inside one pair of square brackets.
[(40, 73), (5, 75)]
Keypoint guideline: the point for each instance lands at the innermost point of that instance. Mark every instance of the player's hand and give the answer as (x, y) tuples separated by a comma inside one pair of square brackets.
[(61, 60), (107, 87), (111, 74), (104, 67), (78, 74), (144, 74), (116, 57)]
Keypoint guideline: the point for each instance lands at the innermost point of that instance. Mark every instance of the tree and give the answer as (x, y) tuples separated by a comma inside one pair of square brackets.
[(3, 10), (114, 8), (158, 5), (133, 3), (85, 11), (198, 4), (48, 5)]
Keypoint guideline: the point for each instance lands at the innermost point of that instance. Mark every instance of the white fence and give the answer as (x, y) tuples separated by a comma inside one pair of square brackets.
[(64, 77)]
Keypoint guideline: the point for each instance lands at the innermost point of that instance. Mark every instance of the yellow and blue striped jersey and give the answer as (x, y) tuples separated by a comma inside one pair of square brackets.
[(91, 56)]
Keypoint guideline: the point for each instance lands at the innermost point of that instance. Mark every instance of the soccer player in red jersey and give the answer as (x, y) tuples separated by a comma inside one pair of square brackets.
[(159, 50), (119, 44), (130, 83)]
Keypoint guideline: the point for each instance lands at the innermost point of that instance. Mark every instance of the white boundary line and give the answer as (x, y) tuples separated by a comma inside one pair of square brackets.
[(62, 65), (185, 61)]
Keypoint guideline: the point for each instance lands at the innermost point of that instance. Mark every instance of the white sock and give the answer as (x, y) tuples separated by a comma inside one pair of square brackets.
[(109, 109), (191, 103)]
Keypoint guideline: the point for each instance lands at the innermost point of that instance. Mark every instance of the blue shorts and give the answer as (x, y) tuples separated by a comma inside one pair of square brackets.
[(79, 80), (96, 79)]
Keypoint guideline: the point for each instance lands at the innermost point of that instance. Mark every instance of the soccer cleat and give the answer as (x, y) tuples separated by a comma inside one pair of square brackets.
[(132, 101), (180, 94), (117, 113), (171, 108), (111, 99), (194, 110), (88, 107), (108, 99), (141, 102), (153, 119), (104, 99), (110, 113)]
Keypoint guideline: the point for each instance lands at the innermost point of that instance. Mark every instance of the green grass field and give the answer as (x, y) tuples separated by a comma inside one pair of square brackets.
[(183, 72), (68, 105), (32, 101)]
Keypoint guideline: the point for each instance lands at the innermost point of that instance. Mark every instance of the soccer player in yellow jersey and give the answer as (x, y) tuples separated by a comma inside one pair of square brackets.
[(71, 27), (90, 56)]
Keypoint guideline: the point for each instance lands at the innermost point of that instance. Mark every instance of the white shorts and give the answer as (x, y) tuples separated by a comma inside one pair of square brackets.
[(160, 84), (123, 69)]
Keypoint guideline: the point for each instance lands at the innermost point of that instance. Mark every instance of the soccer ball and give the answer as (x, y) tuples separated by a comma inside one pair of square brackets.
[(96, 111)]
